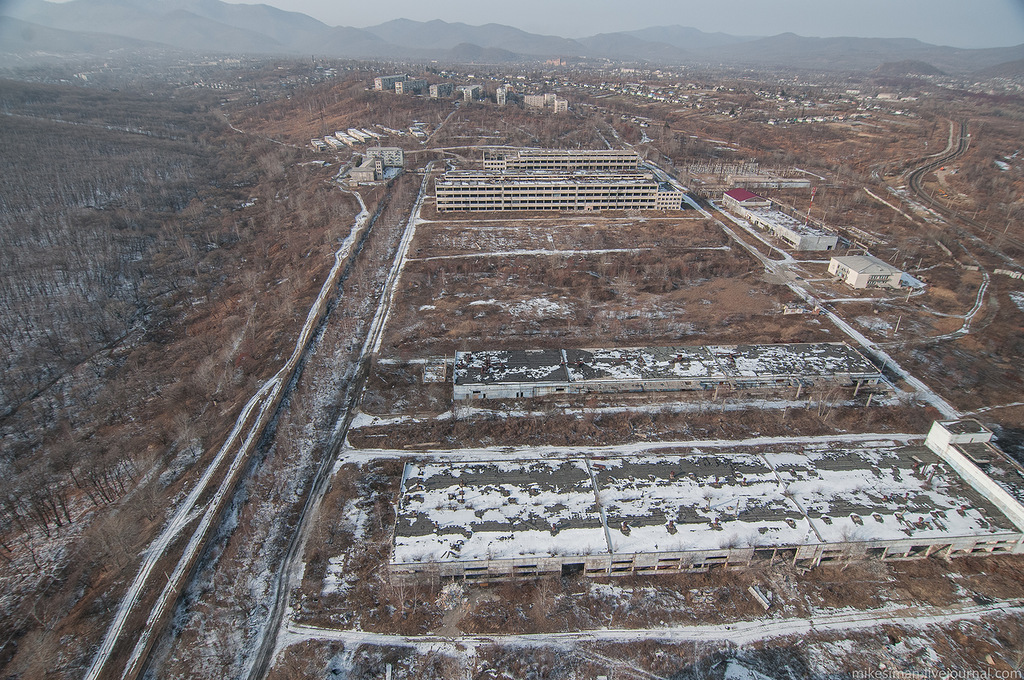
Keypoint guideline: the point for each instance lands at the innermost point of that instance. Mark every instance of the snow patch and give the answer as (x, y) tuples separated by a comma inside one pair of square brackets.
[(1018, 299)]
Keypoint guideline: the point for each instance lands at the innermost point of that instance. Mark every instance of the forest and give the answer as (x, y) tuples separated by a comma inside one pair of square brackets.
[(133, 326)]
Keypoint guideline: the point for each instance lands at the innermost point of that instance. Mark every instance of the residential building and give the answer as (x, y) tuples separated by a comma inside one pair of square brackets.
[(534, 101), (410, 86), (388, 82), (561, 105), (469, 92), (441, 90), (865, 271), (501, 95), (390, 156)]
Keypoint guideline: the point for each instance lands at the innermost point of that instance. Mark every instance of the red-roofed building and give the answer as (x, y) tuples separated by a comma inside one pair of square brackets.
[(735, 199)]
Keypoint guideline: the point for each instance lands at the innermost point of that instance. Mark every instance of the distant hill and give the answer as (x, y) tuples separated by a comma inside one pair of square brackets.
[(628, 47), (1009, 69), (689, 39), (907, 67), (474, 54), (19, 37), (441, 35), (217, 26)]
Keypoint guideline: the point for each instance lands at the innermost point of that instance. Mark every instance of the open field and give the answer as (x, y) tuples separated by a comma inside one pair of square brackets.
[(620, 281)]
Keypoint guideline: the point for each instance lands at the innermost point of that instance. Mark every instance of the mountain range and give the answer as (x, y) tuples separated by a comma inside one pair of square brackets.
[(38, 26)]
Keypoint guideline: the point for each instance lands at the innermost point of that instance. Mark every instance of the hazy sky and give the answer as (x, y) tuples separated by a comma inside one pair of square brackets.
[(960, 23)]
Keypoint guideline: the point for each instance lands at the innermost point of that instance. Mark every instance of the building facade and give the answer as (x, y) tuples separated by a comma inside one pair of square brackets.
[(557, 160), (390, 156), (576, 191), (410, 86), (524, 374), (381, 83), (469, 92), (865, 271), (758, 211), (442, 90)]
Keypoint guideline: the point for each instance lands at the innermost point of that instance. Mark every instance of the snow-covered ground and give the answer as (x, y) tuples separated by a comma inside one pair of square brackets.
[(740, 633)]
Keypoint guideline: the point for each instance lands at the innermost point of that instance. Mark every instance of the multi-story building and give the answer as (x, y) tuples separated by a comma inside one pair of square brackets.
[(441, 90), (388, 82), (469, 92), (390, 156), (534, 101), (561, 105), (410, 86), (555, 160), (474, 190), (501, 95)]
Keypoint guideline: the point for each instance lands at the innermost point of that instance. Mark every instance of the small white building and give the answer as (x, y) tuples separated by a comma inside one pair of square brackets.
[(865, 271)]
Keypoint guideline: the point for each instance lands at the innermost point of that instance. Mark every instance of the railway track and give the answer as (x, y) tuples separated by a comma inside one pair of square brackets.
[(917, 175), (292, 565)]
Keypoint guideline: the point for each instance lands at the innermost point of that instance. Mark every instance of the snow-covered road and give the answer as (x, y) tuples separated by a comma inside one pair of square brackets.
[(616, 450), (740, 632)]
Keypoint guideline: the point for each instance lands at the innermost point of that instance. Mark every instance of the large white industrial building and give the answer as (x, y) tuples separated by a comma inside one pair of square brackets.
[(517, 374), (760, 213), (555, 160), (549, 179), (475, 190), (710, 507)]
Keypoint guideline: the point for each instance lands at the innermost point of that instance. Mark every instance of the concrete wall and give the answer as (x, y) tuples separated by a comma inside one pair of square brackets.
[(623, 564), (981, 483)]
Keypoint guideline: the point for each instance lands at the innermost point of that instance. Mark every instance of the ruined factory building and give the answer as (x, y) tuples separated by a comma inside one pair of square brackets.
[(512, 374), (696, 510)]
